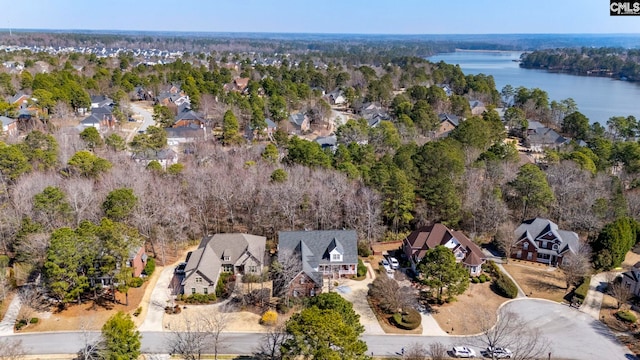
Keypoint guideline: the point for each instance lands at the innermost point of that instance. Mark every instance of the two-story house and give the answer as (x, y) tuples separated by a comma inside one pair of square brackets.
[(540, 240)]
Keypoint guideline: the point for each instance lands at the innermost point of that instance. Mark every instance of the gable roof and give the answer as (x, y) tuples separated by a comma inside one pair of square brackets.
[(546, 136), (428, 237), (208, 258), (91, 120), (6, 121), (298, 118), (453, 119), (533, 229), (188, 115), (314, 247)]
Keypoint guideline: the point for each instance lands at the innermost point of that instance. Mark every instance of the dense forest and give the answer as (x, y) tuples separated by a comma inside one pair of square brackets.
[(62, 187), (612, 62)]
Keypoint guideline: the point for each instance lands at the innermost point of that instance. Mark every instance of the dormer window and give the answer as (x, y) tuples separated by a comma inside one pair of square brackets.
[(555, 246), (226, 258), (336, 257)]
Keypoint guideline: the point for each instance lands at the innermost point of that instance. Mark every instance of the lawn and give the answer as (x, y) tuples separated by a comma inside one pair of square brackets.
[(462, 316), (538, 280)]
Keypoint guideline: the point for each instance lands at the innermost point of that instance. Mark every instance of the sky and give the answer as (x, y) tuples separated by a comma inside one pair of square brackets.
[(325, 16)]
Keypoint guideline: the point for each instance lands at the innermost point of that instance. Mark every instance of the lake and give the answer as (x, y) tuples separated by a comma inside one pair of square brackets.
[(598, 98)]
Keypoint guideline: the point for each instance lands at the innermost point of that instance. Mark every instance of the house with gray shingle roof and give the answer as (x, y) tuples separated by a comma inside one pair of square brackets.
[(231, 253), (541, 240), (300, 122), (448, 122), (631, 280), (326, 254), (9, 126)]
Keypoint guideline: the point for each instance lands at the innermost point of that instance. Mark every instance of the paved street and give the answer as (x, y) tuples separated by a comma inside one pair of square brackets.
[(571, 335)]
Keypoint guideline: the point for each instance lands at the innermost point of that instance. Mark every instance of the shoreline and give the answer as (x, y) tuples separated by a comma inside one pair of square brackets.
[(488, 51)]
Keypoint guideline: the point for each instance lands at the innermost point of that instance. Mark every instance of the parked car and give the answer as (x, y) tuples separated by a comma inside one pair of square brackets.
[(394, 263), (498, 353), (387, 266), (463, 352)]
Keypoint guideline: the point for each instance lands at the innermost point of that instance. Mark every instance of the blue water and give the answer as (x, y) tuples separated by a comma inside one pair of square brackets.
[(598, 98)]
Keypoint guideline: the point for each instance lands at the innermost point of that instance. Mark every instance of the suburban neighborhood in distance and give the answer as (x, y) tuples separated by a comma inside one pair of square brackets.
[(226, 187)]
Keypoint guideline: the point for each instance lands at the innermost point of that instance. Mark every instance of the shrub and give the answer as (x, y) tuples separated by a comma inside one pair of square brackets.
[(362, 269), (626, 316), (222, 288), (282, 307), (409, 319), (138, 311), (4, 261), (20, 324), (269, 318), (483, 278), (450, 299), (135, 282), (363, 249), (150, 266), (506, 287), (33, 320), (200, 298), (475, 280), (581, 291)]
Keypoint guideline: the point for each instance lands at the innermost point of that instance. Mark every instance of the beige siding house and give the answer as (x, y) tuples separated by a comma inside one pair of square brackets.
[(232, 253)]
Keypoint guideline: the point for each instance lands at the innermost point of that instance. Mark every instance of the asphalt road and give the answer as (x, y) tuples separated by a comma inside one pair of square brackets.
[(570, 333), (147, 117)]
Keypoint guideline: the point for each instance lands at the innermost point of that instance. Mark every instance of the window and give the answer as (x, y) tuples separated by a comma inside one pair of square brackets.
[(525, 245), (226, 258), (198, 280), (336, 257), (544, 256), (205, 291), (529, 256), (302, 280), (227, 268), (193, 291), (295, 293), (253, 269), (474, 269), (555, 246), (519, 254), (544, 244)]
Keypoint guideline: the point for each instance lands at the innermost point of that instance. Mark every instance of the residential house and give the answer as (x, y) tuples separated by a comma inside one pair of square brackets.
[(447, 89), (269, 131), (9, 126), (166, 157), (337, 97), (189, 118), (374, 114), (231, 253), (416, 245), (448, 122), (300, 122), (137, 260), (542, 138), (477, 107), (328, 142), (101, 118), (185, 134), (324, 254), (237, 85), (540, 240), (631, 280), (100, 101), (20, 100)]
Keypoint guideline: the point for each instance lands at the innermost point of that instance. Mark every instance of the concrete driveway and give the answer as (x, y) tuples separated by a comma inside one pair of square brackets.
[(160, 297)]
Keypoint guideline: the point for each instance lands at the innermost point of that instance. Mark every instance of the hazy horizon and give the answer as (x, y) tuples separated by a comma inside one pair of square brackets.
[(331, 17)]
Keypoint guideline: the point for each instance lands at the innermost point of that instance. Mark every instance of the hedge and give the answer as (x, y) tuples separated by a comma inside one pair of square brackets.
[(626, 316), (135, 282), (150, 266), (200, 298), (581, 291), (506, 287), (409, 319), (362, 269)]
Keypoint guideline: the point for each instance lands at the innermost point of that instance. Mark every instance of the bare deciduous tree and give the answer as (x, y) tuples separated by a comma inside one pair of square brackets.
[(576, 265), (506, 238), (11, 349), (437, 351), (269, 346), (416, 351), (199, 336), (619, 291), (92, 341), (288, 265), (512, 332)]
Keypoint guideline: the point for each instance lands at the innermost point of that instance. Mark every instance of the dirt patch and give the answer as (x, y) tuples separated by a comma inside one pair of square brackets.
[(462, 316), (537, 280)]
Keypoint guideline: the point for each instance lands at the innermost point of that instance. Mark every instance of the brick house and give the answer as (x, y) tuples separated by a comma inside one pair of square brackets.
[(328, 254), (137, 260), (426, 238), (541, 241)]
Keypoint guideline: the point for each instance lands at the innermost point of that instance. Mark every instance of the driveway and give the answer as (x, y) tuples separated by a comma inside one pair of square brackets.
[(160, 297), (147, 119), (356, 292), (9, 320), (593, 301)]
